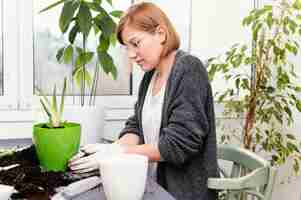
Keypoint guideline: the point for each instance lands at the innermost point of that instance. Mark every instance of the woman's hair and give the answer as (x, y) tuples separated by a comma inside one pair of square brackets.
[(147, 17)]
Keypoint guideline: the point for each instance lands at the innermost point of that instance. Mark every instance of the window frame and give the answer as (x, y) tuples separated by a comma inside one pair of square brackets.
[(10, 45)]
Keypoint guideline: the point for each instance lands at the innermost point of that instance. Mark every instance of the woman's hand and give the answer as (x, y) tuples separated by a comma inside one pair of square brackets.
[(88, 158)]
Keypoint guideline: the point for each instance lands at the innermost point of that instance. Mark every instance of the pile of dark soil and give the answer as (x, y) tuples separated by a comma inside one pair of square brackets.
[(28, 178)]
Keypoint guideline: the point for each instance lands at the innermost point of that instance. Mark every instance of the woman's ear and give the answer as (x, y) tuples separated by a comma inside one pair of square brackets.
[(162, 34)]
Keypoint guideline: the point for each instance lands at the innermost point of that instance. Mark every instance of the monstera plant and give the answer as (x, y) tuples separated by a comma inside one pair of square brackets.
[(77, 20), (264, 88)]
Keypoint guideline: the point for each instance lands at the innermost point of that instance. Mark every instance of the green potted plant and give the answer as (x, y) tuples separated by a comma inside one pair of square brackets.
[(56, 141), (262, 85), (77, 19), (84, 22)]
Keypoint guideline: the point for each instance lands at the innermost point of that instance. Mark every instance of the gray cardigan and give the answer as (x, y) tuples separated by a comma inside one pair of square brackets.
[(187, 141)]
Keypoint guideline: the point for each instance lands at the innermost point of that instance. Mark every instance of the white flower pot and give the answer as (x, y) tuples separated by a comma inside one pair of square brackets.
[(124, 176), (91, 120), (6, 191)]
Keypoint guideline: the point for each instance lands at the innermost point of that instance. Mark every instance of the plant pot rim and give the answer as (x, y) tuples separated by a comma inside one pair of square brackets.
[(69, 125)]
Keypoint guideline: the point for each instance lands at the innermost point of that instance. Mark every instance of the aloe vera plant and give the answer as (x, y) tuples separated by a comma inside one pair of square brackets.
[(52, 110)]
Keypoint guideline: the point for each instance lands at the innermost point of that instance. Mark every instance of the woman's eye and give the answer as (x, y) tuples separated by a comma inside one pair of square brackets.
[(137, 43)]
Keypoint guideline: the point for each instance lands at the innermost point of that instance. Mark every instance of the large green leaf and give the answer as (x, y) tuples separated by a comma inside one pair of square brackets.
[(107, 63), (84, 17), (67, 13), (84, 58), (53, 5), (104, 43), (106, 25)]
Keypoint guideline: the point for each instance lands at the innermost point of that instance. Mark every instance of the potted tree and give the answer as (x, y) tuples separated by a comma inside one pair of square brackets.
[(56, 141), (263, 87), (77, 20)]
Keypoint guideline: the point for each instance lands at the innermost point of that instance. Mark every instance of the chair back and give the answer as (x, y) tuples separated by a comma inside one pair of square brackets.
[(250, 174)]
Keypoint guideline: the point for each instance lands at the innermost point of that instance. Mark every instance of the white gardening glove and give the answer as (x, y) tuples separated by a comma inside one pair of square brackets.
[(88, 158)]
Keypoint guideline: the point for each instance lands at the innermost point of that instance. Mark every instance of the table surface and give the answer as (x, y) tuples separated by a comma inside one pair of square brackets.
[(153, 191)]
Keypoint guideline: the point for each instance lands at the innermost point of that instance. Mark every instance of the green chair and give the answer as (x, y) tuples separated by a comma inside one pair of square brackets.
[(258, 181)]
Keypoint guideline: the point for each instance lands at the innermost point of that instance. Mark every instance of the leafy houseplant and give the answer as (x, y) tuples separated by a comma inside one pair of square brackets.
[(77, 18), (55, 141), (264, 87)]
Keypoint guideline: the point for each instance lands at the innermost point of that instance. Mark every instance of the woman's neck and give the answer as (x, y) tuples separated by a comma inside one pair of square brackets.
[(165, 65)]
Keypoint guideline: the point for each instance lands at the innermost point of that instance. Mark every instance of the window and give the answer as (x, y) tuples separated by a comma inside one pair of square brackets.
[(47, 71), (216, 26)]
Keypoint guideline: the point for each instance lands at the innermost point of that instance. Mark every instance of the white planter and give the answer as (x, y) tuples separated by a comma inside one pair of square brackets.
[(124, 176), (91, 119), (6, 191)]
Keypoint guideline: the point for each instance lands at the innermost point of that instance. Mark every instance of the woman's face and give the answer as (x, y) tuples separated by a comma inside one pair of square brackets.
[(144, 48)]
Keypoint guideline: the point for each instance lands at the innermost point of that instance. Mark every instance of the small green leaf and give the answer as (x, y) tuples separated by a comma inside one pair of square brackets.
[(68, 54), (247, 20), (116, 13), (297, 4), (291, 48), (290, 136), (73, 33), (270, 20), (296, 166), (298, 105), (292, 25), (237, 83), (59, 54)]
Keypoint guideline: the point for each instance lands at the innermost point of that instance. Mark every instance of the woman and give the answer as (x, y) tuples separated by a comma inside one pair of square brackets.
[(173, 124)]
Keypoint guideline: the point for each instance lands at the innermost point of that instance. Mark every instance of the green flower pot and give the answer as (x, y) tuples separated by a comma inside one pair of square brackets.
[(55, 146)]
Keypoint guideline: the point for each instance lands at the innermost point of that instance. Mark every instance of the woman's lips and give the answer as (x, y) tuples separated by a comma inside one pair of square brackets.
[(140, 62)]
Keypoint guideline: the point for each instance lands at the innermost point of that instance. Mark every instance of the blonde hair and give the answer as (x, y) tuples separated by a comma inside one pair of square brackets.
[(147, 17)]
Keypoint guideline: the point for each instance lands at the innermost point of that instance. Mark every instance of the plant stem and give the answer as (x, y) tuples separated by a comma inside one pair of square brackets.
[(83, 74)]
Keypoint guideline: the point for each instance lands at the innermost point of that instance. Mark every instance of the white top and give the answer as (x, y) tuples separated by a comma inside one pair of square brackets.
[(151, 119)]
